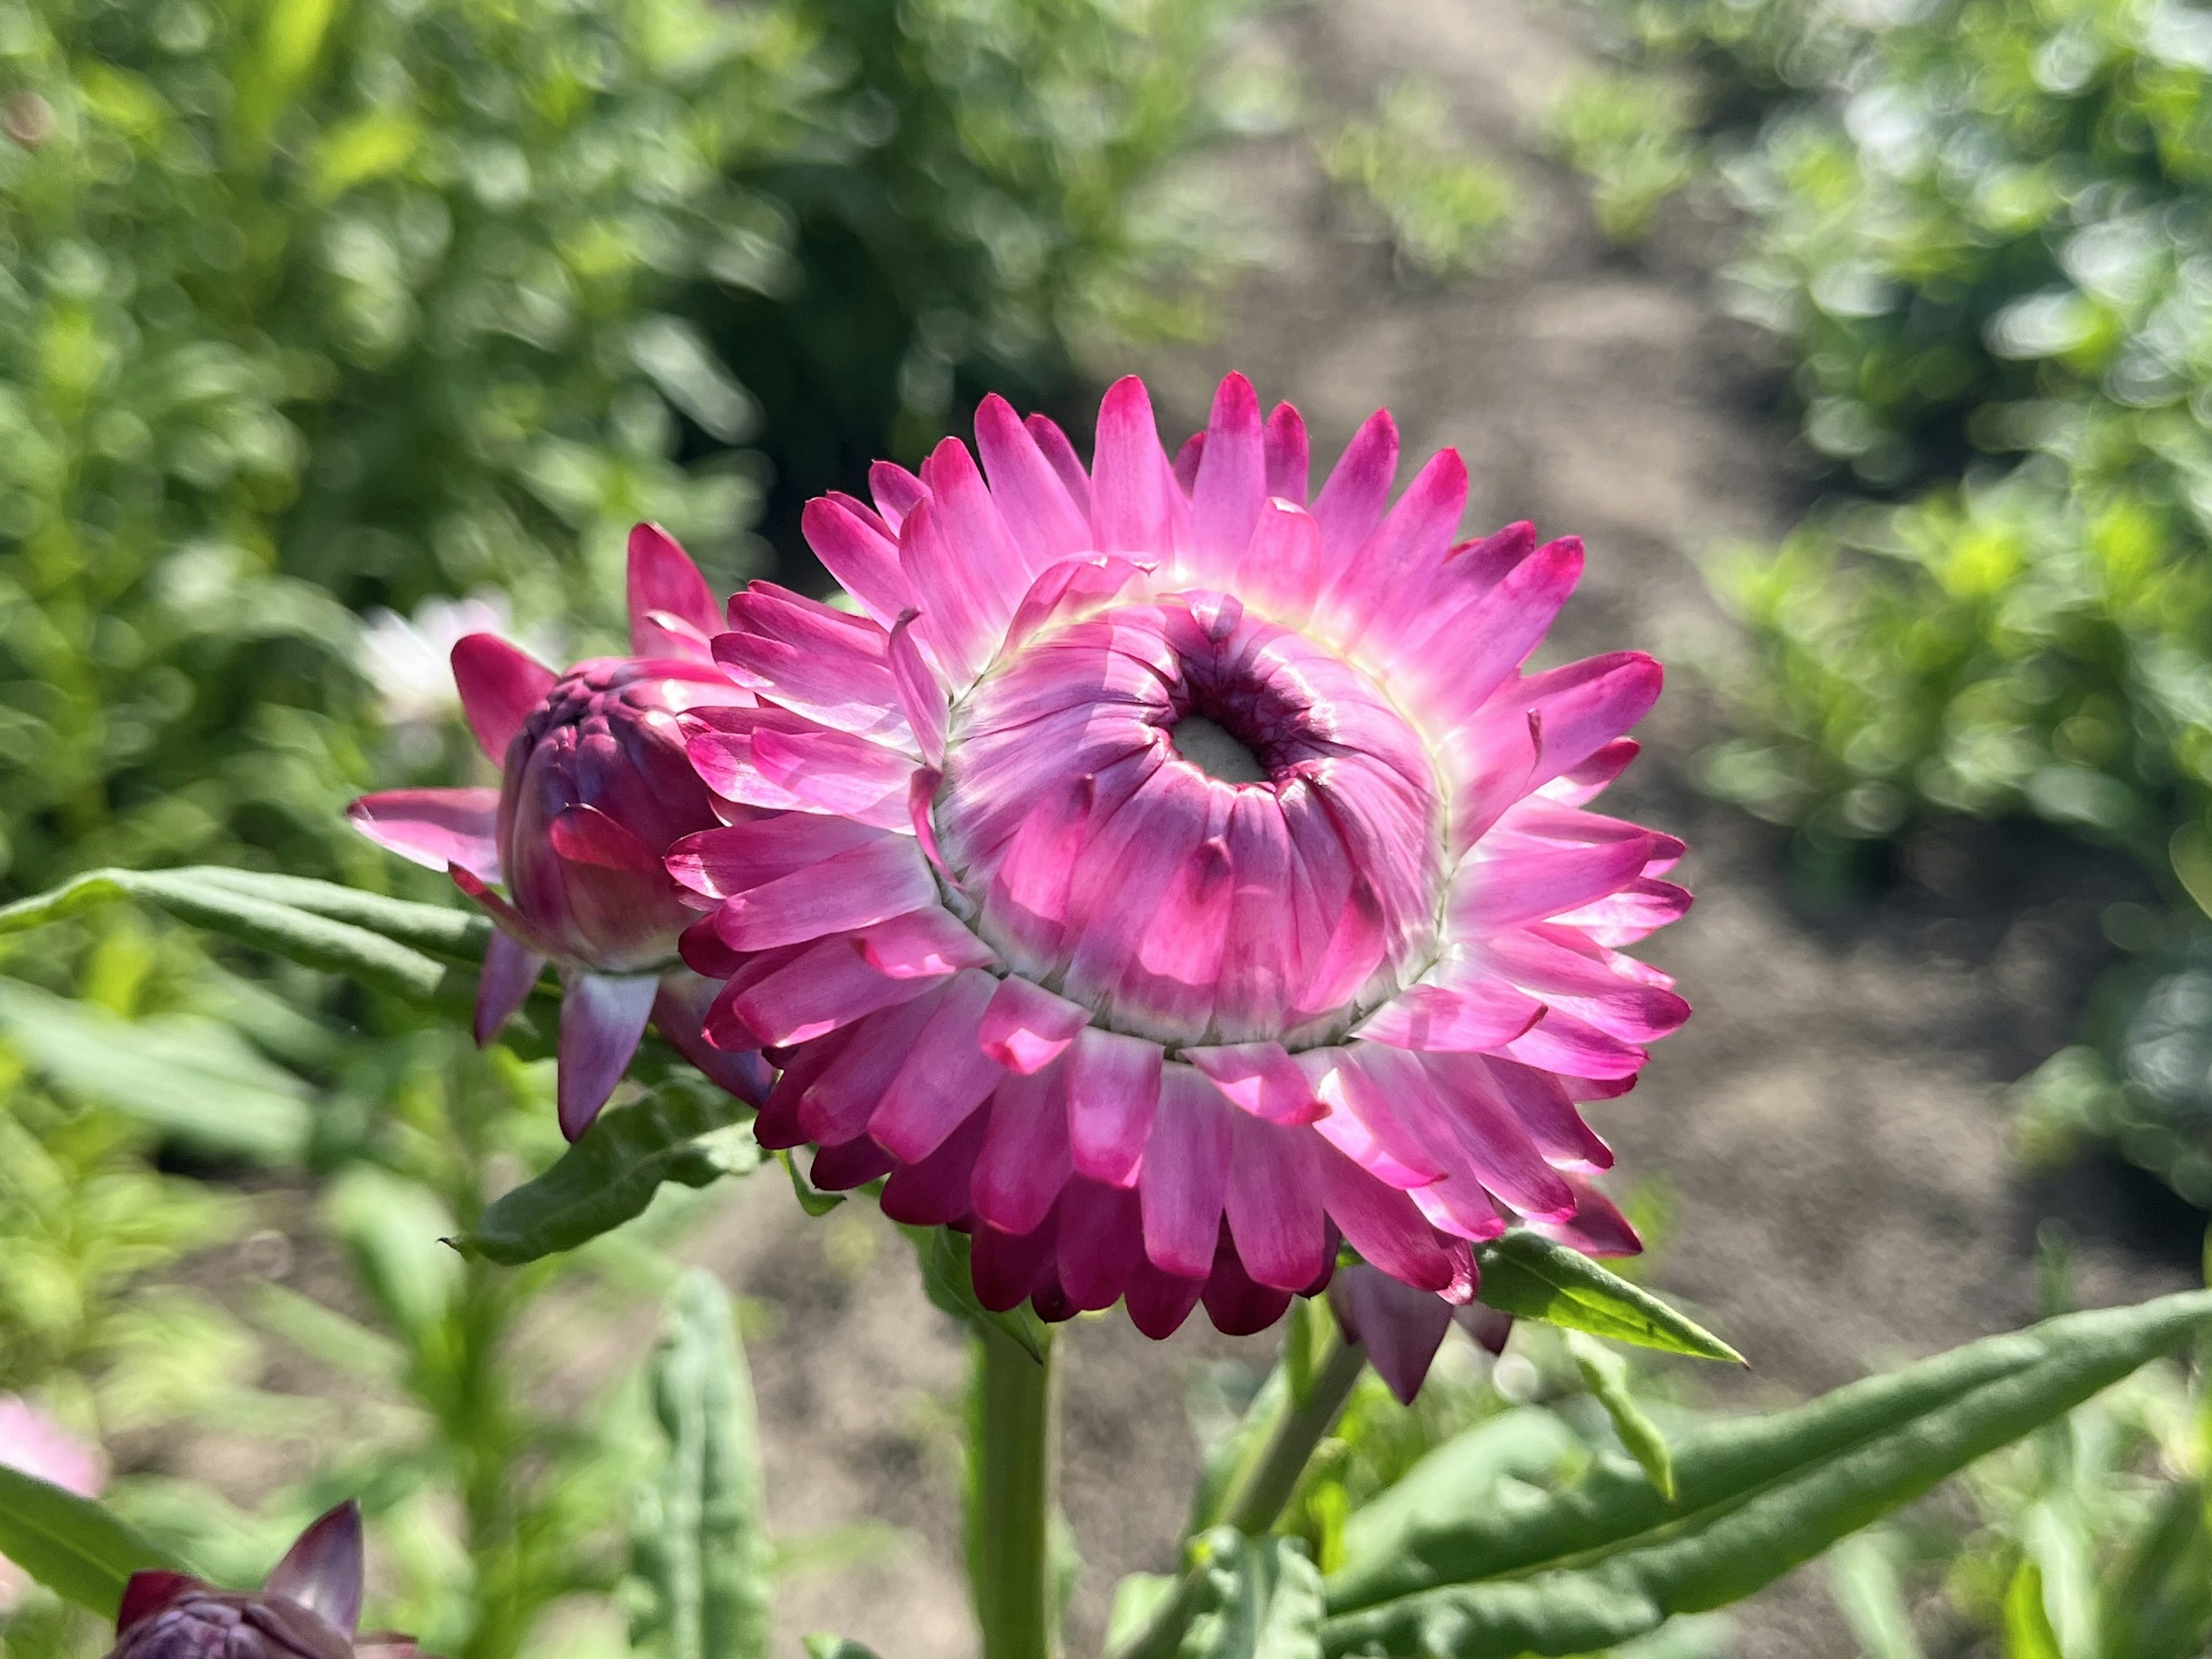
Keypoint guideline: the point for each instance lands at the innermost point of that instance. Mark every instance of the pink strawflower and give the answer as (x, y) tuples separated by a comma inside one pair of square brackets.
[(595, 787), (32, 1442), (1177, 874), (309, 1607)]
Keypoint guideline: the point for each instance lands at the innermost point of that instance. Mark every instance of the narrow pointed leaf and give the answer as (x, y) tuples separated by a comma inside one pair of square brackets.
[(1526, 1274), (75, 1547), (1606, 1559), (700, 1536), (822, 1645), (318, 924), (685, 1130)]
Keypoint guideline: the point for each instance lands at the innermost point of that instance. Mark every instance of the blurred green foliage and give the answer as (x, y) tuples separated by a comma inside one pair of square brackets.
[(1983, 229), (1444, 208), (307, 307)]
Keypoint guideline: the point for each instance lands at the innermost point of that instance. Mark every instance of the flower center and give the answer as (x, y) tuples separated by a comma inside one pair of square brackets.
[(1204, 826)]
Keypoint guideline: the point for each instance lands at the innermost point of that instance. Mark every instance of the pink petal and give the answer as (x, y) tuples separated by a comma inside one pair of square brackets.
[(322, 1570), (510, 970), (1232, 479), (1042, 516), (1384, 1226), (1067, 591), (960, 622), (509, 920), (1492, 637), (1178, 960), (1237, 1305), (663, 579), (1159, 1302), (840, 1101), (1401, 1328), (1490, 895), (1639, 909), (145, 1593), (602, 1018), (1351, 502), (999, 568), (1560, 1043), (897, 492), (1545, 1109), (945, 1076), (1025, 1163), (1102, 1243), (723, 863), (1185, 1174), (1011, 1268), (1361, 590), (1535, 729), (1596, 1228), (815, 661), (1026, 1027), (1061, 456), (1113, 1092), (1286, 445), (1262, 1079), (823, 987), (435, 827), (1261, 959), (499, 687), (1131, 486), (1487, 1133), (1589, 780), (1594, 984), (865, 562), (679, 1014), (1362, 1123), (924, 945), (1274, 1205), (935, 1191), (869, 884), (1281, 570), (1459, 1008), (1186, 462), (852, 1163), (921, 697)]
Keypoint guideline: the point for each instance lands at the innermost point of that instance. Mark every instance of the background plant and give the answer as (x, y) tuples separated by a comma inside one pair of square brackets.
[(1980, 229)]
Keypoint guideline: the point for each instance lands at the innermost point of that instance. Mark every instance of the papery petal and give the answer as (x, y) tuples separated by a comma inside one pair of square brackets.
[(897, 492), (1135, 506), (934, 1192), (1113, 1093), (1185, 1174), (1260, 1080), (1025, 1163), (499, 686), (1026, 1027), (322, 1570), (1401, 1328), (946, 1075), (1042, 516), (679, 1014), (1061, 456), (664, 582), (1102, 1243), (1357, 488), (1231, 482), (510, 972), (865, 561), (1237, 1305), (602, 1018), (1274, 1205), (435, 827), (867, 884), (1285, 444), (839, 1103)]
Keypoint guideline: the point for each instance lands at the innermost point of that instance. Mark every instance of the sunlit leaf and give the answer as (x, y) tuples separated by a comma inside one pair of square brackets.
[(71, 1545), (1526, 1274)]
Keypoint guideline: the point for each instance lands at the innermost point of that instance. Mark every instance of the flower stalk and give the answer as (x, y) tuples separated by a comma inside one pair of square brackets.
[(1010, 1435)]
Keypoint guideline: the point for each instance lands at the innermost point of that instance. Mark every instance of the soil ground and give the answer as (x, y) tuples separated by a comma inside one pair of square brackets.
[(1831, 1125)]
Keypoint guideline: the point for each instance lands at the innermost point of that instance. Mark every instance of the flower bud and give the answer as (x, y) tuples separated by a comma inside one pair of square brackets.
[(308, 1608), (595, 785)]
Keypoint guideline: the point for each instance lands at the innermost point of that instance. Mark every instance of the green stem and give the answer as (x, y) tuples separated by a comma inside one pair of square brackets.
[(1010, 1505), (1265, 1488)]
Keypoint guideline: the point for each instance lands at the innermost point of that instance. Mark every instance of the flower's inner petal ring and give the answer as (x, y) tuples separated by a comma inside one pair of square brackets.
[(1117, 792)]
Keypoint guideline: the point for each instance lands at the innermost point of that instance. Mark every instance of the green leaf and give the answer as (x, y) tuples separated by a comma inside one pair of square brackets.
[(823, 1646), (1526, 1274), (1862, 1579), (379, 941), (811, 1199), (188, 1077), (1607, 1559), (685, 1130), (1606, 1374), (1527, 1445), (1137, 1600), (71, 1545), (2028, 1631), (700, 1535), (951, 1284), (1261, 1600)]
